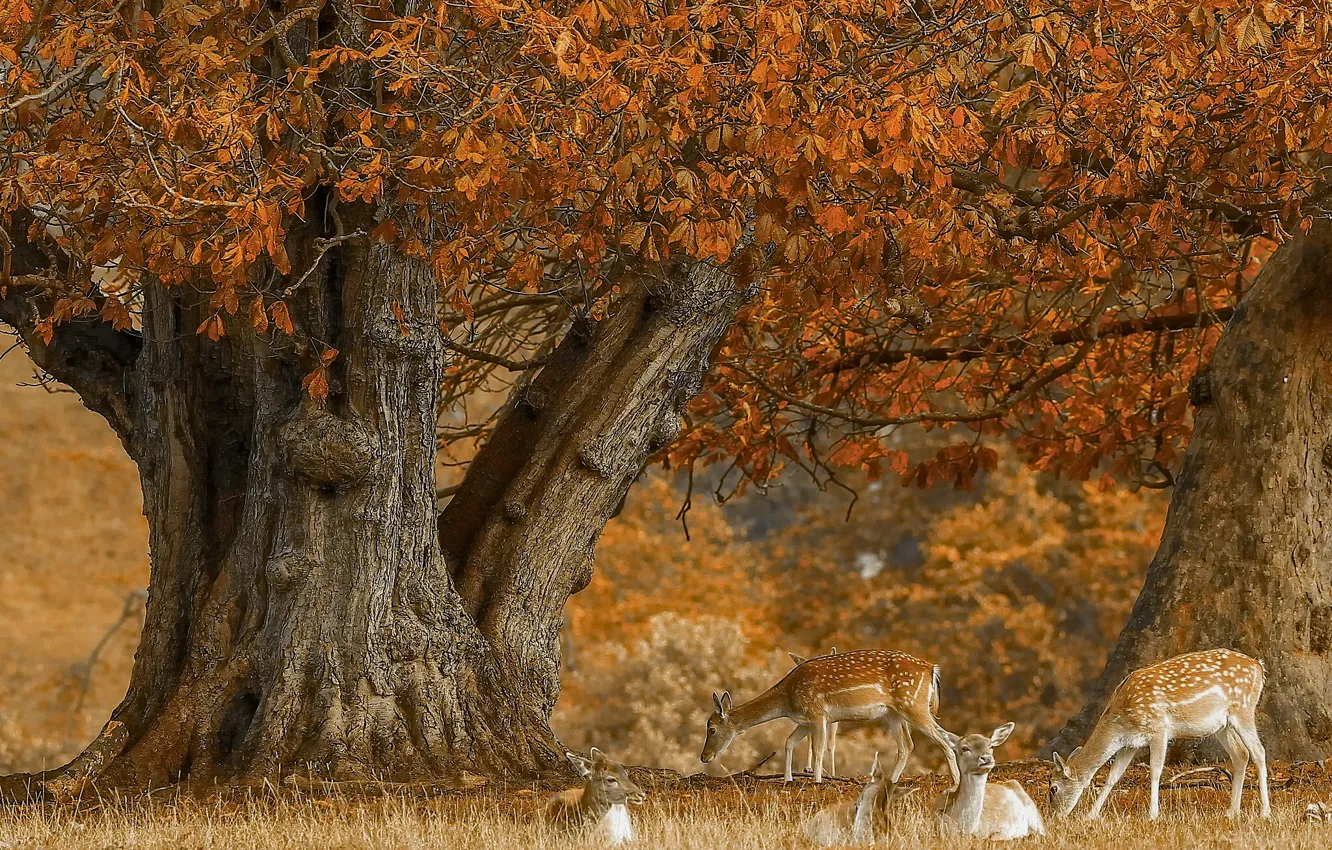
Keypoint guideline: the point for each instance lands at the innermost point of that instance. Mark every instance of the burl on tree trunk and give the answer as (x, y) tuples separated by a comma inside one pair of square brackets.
[(1246, 557), (302, 613)]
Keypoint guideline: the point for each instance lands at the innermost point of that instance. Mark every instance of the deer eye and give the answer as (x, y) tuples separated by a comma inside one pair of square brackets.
[(967, 750), (611, 780)]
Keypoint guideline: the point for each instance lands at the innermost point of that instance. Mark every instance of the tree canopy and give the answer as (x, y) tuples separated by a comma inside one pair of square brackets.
[(1059, 198)]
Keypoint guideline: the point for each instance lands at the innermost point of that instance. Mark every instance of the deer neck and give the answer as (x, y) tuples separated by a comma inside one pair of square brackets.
[(862, 824), (968, 801), (1100, 746), (593, 805), (770, 705)]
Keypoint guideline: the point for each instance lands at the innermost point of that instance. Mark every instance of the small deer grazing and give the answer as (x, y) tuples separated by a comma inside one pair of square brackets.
[(832, 728), (1214, 692), (1002, 811), (600, 803), (860, 820), (866, 685)]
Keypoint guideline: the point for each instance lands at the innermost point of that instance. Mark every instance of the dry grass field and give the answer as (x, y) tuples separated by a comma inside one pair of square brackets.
[(744, 814)]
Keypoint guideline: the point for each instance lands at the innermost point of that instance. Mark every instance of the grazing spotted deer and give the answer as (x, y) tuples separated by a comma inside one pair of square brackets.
[(860, 820), (1002, 811), (1214, 692), (600, 803), (866, 685), (832, 729)]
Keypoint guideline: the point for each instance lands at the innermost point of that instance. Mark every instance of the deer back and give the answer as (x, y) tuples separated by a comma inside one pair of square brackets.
[(1190, 689), (870, 676)]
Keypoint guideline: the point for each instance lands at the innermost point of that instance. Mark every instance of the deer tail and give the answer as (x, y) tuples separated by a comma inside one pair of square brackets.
[(934, 689)]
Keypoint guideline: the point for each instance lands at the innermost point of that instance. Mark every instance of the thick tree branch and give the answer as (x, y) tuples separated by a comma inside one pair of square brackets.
[(1014, 345), (85, 353), (1087, 334)]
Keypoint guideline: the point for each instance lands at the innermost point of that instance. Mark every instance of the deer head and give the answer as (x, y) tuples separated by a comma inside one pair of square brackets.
[(975, 752), (1065, 789), (721, 728), (608, 781)]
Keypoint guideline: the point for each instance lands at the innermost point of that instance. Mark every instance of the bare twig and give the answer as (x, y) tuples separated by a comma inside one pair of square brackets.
[(83, 670), (57, 88), (322, 247), (485, 357)]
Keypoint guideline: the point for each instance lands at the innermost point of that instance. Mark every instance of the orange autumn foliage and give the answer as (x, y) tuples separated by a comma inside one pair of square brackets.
[(646, 566), (1062, 201)]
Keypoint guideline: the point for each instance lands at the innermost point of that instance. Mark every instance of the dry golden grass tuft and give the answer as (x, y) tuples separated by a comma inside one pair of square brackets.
[(697, 813)]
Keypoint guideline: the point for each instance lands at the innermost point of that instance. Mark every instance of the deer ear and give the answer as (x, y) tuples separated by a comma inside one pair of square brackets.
[(900, 793), (834, 651), (1061, 765), (1075, 752), (717, 703), (998, 736), (726, 702), (597, 756), (799, 659), (581, 766), (950, 737)]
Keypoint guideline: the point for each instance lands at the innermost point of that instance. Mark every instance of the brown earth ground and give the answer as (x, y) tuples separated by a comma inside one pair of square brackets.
[(698, 812)]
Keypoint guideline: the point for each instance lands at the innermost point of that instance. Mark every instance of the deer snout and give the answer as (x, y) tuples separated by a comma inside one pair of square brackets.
[(638, 798), (985, 761)]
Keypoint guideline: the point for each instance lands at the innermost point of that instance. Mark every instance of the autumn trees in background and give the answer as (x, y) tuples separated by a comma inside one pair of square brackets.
[(1016, 588), (287, 250)]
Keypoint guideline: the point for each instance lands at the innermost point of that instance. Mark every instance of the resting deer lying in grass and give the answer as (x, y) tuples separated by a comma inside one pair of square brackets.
[(1214, 692), (1001, 811), (860, 820), (866, 685), (600, 803), (832, 729)]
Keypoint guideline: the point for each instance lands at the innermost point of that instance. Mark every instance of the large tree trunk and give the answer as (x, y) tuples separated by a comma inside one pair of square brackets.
[(1246, 557), (301, 613)]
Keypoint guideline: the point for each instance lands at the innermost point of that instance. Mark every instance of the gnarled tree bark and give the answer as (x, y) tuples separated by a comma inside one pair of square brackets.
[(1246, 557), (301, 613)]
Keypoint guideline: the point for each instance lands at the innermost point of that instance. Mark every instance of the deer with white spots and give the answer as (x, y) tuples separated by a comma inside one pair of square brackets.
[(1197, 695), (601, 803), (868, 685)]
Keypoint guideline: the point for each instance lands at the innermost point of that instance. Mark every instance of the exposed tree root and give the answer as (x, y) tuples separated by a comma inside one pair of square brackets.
[(68, 783)]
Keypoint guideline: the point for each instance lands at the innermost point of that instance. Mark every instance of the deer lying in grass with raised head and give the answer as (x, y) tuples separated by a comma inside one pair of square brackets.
[(601, 803), (857, 821), (832, 728), (867, 685), (1214, 692), (1000, 811)]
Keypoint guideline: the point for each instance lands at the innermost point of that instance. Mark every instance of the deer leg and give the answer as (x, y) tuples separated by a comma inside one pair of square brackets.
[(1239, 763), (1117, 768), (1248, 733), (797, 735), (820, 744), (1156, 749), (832, 749), (901, 735), (930, 728)]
